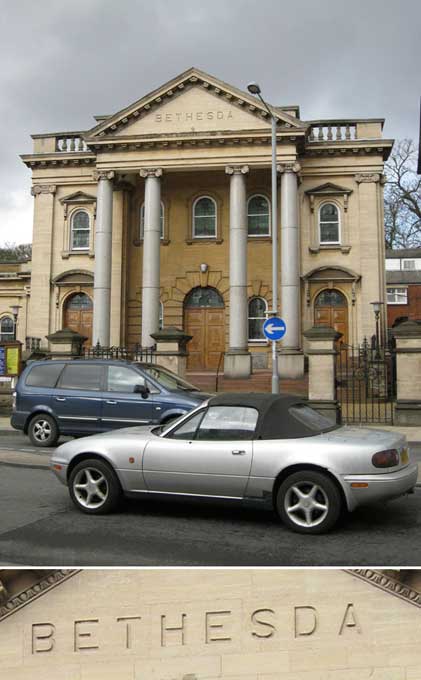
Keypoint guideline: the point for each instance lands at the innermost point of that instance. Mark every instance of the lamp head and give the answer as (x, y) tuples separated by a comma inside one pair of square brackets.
[(253, 88), (376, 306)]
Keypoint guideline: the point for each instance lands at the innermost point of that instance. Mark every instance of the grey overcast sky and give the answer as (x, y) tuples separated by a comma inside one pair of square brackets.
[(62, 61)]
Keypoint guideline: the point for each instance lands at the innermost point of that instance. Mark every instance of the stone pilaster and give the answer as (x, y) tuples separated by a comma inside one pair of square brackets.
[(291, 358), (371, 247), (151, 254), (321, 354), (238, 359), (408, 373), (39, 307), (103, 255)]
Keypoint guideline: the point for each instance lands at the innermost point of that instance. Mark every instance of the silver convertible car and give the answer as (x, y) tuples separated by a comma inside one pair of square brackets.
[(246, 447)]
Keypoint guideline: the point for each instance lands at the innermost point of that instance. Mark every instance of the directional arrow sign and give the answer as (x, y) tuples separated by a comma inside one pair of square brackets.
[(274, 328)]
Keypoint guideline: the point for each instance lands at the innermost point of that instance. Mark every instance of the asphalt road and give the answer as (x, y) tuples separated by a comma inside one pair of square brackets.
[(40, 526)]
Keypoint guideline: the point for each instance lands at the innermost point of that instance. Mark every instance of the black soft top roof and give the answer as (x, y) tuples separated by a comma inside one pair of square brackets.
[(274, 421)]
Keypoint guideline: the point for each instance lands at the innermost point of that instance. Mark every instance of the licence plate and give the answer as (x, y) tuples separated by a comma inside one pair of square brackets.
[(404, 456)]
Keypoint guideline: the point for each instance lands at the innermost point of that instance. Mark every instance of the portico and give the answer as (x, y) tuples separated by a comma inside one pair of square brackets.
[(175, 192)]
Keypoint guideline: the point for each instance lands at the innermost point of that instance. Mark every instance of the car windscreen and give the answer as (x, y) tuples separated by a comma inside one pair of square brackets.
[(169, 380), (312, 419), (45, 375)]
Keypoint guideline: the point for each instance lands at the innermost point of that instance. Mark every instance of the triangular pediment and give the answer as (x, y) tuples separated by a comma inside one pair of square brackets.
[(192, 102), (329, 189), (78, 197), (210, 623)]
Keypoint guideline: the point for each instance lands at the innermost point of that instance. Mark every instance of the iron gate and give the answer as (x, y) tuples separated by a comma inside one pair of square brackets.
[(365, 383)]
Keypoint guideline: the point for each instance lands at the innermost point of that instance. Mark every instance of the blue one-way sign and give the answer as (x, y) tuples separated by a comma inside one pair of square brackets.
[(274, 328)]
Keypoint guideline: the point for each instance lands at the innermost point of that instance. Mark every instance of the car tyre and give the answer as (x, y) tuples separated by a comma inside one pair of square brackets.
[(94, 487), (309, 502), (43, 430)]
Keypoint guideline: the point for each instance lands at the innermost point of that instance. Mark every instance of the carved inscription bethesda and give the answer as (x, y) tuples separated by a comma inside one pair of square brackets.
[(214, 627), (192, 116)]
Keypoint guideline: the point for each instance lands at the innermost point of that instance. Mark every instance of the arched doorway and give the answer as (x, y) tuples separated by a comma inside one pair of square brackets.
[(77, 315), (204, 319), (331, 309)]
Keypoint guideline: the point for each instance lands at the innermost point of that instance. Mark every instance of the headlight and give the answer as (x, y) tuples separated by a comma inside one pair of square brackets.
[(386, 459)]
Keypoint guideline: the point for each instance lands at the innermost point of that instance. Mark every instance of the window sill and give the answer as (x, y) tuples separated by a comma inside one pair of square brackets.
[(65, 254), (345, 249), (259, 239), (205, 241)]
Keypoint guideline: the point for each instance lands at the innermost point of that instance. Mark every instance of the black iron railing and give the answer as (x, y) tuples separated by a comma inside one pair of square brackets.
[(135, 353)]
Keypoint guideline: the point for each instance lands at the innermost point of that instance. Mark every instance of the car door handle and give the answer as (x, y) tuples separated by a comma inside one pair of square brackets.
[(109, 401), (60, 398), (238, 452)]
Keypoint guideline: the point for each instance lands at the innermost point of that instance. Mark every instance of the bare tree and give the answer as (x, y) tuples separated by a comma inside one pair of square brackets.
[(402, 197), (12, 252)]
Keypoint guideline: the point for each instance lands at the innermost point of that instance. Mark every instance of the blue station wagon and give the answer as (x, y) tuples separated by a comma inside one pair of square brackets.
[(83, 397)]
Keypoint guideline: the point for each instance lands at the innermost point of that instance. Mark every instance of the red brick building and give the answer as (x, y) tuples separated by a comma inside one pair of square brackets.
[(403, 281)]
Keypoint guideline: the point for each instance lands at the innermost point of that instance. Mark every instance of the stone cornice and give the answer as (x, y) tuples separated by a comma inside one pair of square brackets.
[(388, 585), (33, 592)]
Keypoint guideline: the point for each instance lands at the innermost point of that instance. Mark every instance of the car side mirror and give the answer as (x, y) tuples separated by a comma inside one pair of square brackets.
[(142, 390)]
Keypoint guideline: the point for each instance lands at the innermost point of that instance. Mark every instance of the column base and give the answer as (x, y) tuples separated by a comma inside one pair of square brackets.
[(237, 364), (407, 413), (291, 363), (330, 409)]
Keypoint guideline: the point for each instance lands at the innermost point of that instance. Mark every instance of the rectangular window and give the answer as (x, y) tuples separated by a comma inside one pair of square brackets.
[(82, 376), (45, 375), (408, 265), (393, 264), (397, 296)]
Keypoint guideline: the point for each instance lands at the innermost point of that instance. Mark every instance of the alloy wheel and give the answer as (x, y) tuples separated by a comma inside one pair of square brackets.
[(90, 488), (306, 504)]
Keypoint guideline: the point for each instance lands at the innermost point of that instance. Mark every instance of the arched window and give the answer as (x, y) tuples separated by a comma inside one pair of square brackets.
[(79, 230), (257, 317), (142, 220), (329, 227), (7, 329), (204, 218), (203, 297), (258, 216)]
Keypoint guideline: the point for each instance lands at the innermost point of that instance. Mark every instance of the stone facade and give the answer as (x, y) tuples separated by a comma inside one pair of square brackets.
[(253, 624), (137, 176)]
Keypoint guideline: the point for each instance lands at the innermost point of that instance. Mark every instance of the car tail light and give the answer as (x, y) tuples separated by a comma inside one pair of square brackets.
[(385, 459)]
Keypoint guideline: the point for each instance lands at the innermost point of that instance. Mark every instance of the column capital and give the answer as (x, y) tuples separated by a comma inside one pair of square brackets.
[(289, 167), (150, 172), (367, 177), (43, 189), (103, 174), (236, 169)]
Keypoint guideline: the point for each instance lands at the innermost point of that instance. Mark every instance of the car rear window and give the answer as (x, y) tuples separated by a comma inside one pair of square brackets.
[(45, 375), (311, 418), (82, 376)]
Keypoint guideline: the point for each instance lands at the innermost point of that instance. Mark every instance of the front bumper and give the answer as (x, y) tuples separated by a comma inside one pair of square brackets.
[(380, 486), (60, 469)]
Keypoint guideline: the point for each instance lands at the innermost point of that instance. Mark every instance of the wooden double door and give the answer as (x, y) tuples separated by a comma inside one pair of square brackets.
[(207, 326), (331, 309), (78, 315)]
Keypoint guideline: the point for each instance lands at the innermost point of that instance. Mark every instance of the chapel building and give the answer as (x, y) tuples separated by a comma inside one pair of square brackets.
[(160, 215)]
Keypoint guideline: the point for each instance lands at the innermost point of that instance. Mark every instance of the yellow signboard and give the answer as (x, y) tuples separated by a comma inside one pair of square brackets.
[(12, 360)]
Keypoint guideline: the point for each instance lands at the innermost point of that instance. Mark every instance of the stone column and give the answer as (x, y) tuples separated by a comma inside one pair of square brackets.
[(321, 370), (238, 359), (408, 373), (291, 358), (103, 253), (151, 254), (40, 303)]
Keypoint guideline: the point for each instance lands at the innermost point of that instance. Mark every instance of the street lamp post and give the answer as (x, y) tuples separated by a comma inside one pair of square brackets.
[(254, 89), (376, 308), (15, 311)]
